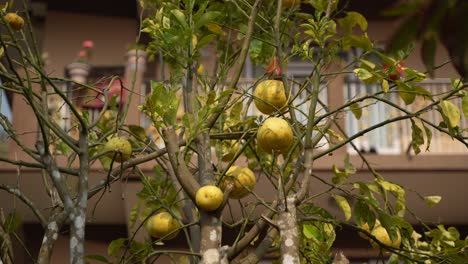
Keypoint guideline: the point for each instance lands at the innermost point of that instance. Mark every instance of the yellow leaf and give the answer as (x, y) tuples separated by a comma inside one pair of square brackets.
[(385, 86), (344, 205), (452, 113), (215, 28)]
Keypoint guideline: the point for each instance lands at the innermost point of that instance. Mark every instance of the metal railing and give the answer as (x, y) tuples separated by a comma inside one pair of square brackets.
[(396, 138)]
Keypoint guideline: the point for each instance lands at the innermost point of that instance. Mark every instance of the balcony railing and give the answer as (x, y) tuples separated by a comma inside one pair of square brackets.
[(395, 138)]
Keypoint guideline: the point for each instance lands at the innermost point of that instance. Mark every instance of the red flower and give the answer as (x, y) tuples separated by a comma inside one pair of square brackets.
[(88, 44), (394, 72), (82, 54), (274, 67)]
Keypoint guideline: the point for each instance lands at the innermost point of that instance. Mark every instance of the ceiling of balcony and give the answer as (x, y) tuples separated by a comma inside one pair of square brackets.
[(128, 8), (119, 8)]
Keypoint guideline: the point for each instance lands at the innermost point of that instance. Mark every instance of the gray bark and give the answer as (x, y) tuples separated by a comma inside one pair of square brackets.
[(287, 224), (51, 231), (210, 243)]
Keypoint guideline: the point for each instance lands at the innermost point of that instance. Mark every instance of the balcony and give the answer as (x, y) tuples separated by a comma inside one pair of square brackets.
[(395, 138)]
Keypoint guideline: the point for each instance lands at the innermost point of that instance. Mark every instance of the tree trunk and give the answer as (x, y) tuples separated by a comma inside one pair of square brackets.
[(287, 224), (56, 220), (210, 238)]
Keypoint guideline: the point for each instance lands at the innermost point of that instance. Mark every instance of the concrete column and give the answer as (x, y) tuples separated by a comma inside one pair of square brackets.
[(134, 73), (78, 71)]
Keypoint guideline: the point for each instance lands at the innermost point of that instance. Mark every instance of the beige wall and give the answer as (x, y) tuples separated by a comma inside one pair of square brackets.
[(64, 33)]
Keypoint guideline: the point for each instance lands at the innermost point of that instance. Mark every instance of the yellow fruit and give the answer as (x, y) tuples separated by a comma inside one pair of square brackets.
[(120, 146), (274, 134), (270, 96), (229, 149), (242, 179), (380, 233), (209, 198), (15, 21), (162, 224), (367, 228)]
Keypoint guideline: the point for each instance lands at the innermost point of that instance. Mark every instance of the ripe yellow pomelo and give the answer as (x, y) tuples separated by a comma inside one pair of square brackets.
[(275, 134), (242, 180), (366, 227), (269, 96), (118, 147), (209, 198), (15, 21), (162, 224)]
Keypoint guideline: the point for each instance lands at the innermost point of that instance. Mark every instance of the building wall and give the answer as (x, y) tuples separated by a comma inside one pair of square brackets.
[(63, 35)]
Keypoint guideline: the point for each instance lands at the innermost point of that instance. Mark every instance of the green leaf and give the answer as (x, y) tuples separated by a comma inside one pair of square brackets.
[(385, 86), (344, 205), (138, 132), (134, 213), (421, 91), (235, 113), (363, 74), (394, 259), (311, 232), (349, 168), (399, 192), (215, 28), (363, 214), (180, 16), (207, 18), (428, 137), (205, 40), (12, 222), (98, 258), (465, 105), (367, 63), (432, 200), (340, 176), (388, 223), (356, 110), (417, 138), (115, 245), (414, 75), (452, 113), (406, 92), (456, 83), (351, 20), (363, 42)]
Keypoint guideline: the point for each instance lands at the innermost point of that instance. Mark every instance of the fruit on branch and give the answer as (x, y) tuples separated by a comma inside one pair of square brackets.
[(269, 96), (367, 228), (275, 134), (118, 147), (381, 234), (163, 225), (15, 21), (229, 150), (242, 180), (209, 198)]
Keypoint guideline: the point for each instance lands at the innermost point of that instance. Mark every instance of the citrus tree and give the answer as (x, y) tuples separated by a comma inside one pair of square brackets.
[(233, 133)]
